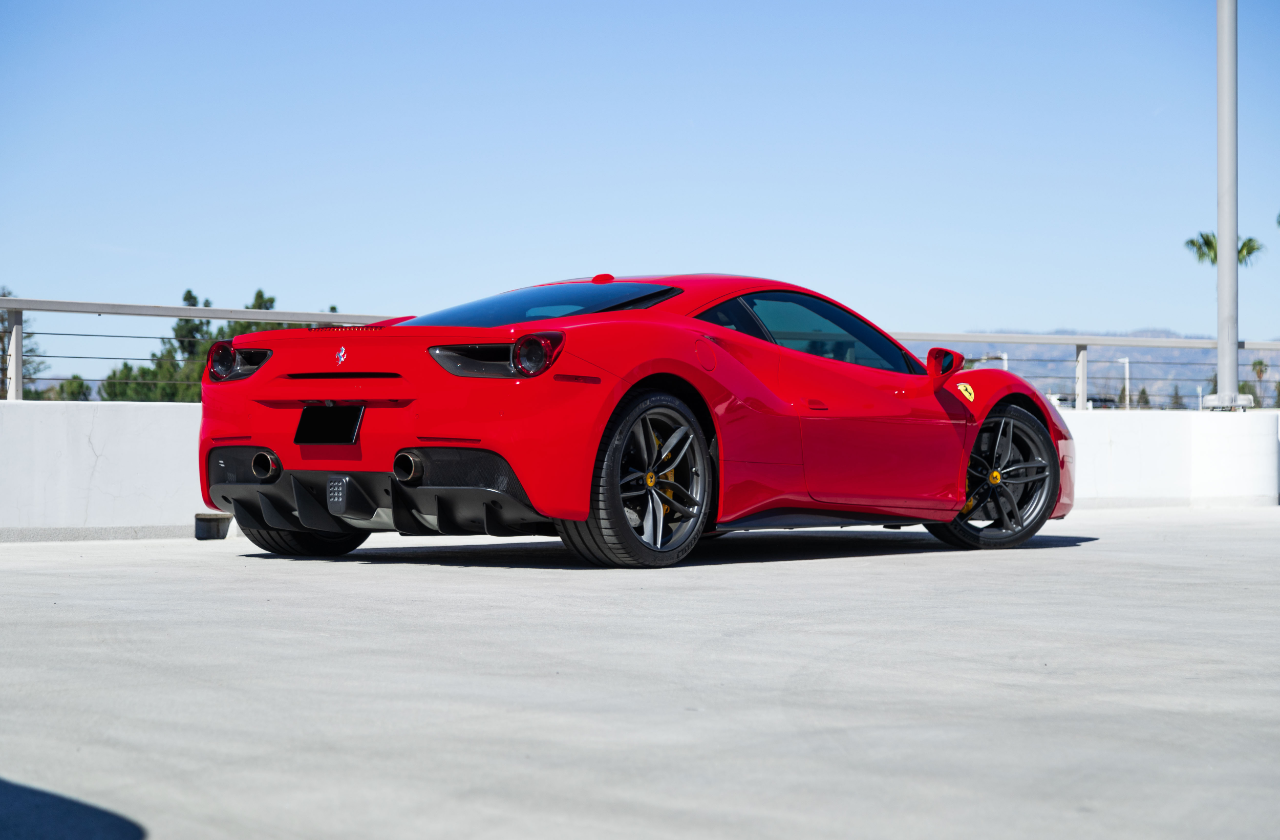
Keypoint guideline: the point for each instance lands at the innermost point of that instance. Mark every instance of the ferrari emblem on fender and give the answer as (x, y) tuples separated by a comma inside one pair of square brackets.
[(967, 390), (341, 356)]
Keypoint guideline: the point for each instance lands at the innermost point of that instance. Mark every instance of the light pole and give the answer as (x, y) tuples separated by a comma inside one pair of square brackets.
[(1228, 395)]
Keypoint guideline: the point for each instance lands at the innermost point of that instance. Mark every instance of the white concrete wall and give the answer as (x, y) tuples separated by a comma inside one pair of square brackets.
[(127, 470), (1176, 458), (98, 470)]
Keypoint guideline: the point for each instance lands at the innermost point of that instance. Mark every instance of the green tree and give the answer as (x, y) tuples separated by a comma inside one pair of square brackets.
[(234, 328), (1176, 400), (175, 372), (1205, 247), (1259, 370), (73, 389), (1241, 387), (1144, 401)]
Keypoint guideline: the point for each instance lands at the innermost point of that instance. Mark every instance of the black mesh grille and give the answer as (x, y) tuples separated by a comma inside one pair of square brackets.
[(448, 467)]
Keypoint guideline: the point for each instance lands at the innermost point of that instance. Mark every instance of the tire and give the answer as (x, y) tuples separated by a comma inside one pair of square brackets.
[(305, 544), (1013, 479), (651, 489)]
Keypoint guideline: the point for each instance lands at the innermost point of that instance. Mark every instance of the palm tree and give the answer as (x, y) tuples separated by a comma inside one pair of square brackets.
[(1205, 247), (1259, 370)]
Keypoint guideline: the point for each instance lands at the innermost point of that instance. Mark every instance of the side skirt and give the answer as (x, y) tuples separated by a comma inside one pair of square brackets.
[(787, 518)]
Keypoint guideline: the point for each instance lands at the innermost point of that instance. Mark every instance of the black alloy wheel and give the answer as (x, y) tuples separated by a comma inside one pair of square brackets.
[(306, 543), (651, 489), (1012, 487)]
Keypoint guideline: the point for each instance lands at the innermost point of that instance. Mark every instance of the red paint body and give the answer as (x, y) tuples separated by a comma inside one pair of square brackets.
[(782, 418)]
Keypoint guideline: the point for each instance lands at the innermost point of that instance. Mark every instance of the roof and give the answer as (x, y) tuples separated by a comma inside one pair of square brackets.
[(701, 289)]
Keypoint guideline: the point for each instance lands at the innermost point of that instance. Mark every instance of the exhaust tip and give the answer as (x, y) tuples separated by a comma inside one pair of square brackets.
[(408, 466), (265, 466)]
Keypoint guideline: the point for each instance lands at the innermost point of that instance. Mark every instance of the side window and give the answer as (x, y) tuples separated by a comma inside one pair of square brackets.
[(733, 315), (816, 327)]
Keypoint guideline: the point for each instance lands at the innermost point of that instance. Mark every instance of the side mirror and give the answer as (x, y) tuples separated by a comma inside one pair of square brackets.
[(941, 364)]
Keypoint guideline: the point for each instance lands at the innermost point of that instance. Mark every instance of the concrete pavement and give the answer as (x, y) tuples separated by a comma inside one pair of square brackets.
[(1119, 677)]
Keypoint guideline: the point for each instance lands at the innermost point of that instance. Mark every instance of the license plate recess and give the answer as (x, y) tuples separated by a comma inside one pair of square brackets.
[(329, 424)]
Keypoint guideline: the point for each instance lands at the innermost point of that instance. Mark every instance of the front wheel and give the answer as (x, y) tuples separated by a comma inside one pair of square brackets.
[(651, 489), (1012, 487)]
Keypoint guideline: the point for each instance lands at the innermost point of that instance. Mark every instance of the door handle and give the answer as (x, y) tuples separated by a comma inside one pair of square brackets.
[(817, 405)]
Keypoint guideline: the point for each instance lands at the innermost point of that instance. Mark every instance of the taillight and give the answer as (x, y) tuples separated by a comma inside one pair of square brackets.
[(226, 362), (222, 360), (530, 355), (534, 353)]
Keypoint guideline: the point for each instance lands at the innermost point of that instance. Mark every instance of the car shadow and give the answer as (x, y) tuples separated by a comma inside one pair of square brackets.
[(744, 547), (30, 814), (774, 546)]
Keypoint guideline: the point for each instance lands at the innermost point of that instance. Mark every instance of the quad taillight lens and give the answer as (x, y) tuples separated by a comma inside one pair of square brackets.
[(222, 360), (226, 362), (534, 353)]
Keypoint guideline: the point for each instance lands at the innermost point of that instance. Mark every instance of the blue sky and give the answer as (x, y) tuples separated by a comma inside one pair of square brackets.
[(938, 166)]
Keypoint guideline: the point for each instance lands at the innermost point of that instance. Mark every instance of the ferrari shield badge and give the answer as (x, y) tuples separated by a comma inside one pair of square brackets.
[(967, 390)]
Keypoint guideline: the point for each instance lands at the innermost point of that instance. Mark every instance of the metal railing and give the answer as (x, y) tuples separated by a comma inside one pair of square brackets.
[(1081, 343), (16, 306)]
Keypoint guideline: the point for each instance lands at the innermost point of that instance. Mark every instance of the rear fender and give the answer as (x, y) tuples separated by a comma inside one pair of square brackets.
[(752, 422)]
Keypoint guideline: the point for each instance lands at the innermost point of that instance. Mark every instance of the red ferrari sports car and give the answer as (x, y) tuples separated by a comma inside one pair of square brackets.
[(631, 417)]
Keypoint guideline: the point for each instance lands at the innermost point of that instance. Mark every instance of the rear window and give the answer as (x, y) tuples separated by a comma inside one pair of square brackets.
[(541, 302)]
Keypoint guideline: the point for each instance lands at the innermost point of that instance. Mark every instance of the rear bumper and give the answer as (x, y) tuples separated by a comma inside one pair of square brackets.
[(463, 492), (546, 428)]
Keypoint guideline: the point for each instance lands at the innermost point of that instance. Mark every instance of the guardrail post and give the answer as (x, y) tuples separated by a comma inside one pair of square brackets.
[(15, 354), (1127, 396), (1082, 376)]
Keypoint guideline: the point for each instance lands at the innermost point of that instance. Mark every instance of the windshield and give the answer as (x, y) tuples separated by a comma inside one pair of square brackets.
[(540, 302)]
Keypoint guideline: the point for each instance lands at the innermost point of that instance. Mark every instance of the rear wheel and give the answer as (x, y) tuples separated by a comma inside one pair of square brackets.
[(1012, 487), (305, 544), (651, 487)]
